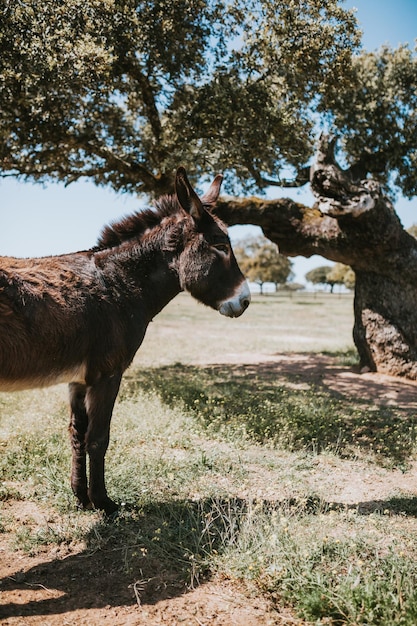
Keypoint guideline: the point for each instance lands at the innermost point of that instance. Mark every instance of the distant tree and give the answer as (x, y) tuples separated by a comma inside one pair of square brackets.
[(292, 287), (337, 274), (341, 274), (262, 263), (319, 275)]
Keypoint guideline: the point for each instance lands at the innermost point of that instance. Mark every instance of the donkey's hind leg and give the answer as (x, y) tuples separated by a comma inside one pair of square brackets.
[(78, 429)]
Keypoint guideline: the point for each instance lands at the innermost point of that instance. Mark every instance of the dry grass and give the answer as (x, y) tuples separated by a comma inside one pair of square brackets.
[(188, 333)]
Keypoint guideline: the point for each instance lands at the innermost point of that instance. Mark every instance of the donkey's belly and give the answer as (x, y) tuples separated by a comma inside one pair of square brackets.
[(18, 383)]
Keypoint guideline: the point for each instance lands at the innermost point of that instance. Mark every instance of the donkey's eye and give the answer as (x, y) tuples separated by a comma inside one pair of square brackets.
[(223, 248)]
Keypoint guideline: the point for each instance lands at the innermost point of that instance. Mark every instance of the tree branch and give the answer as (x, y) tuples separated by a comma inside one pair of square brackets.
[(295, 228), (150, 104), (352, 222), (337, 192), (302, 178)]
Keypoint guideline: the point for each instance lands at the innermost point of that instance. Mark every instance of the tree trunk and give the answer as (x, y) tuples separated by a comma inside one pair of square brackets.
[(353, 223), (385, 330)]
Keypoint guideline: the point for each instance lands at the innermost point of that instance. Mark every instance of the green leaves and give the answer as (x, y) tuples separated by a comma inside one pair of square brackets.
[(122, 91), (377, 116), (302, 46)]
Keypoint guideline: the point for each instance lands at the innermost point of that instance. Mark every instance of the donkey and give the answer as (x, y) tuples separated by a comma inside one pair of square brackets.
[(80, 318)]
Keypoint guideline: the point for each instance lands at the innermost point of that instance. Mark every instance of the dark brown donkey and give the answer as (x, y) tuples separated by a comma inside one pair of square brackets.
[(80, 318)]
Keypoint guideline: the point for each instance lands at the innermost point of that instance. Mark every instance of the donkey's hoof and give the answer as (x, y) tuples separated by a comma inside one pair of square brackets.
[(109, 507), (84, 506)]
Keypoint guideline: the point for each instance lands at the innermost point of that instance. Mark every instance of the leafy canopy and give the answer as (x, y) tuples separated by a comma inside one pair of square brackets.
[(376, 116), (123, 91)]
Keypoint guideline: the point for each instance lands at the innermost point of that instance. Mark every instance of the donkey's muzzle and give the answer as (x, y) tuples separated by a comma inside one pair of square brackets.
[(234, 307)]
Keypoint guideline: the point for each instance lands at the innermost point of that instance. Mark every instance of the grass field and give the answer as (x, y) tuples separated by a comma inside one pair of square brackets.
[(228, 468), (187, 332)]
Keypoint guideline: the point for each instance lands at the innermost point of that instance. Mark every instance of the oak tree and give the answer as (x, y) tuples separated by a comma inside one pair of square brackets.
[(337, 274), (122, 91), (341, 274)]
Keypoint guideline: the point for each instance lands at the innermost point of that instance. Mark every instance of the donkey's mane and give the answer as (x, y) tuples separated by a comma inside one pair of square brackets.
[(134, 225)]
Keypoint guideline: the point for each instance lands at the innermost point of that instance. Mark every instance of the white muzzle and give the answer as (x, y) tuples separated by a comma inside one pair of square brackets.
[(238, 304)]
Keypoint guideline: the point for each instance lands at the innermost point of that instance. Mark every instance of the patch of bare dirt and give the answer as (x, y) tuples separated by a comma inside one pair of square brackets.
[(380, 389), (69, 586), (66, 585), (322, 370)]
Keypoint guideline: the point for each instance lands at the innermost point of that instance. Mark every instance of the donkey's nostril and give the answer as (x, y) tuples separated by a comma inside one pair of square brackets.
[(245, 303)]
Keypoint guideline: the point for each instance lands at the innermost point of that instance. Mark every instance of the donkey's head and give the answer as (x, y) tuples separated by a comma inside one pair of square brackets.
[(207, 267)]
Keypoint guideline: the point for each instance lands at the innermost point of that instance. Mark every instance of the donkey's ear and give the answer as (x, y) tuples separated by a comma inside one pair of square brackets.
[(212, 193), (186, 195)]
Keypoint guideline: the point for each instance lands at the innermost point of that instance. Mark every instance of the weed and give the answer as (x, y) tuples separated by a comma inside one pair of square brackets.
[(348, 357), (301, 553), (67, 529), (41, 462), (317, 563)]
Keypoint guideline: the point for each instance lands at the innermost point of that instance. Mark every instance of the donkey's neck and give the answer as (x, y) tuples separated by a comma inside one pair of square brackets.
[(143, 276)]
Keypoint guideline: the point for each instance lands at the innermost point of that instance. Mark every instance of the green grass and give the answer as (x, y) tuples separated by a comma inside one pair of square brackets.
[(321, 564), (224, 471), (248, 403)]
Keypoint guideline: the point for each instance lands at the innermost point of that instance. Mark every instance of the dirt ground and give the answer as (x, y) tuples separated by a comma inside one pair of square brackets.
[(65, 585), (71, 593)]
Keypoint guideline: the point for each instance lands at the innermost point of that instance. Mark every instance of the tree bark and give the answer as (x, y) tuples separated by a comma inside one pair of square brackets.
[(354, 223)]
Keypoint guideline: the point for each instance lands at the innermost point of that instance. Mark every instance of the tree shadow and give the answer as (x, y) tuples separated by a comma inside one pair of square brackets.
[(346, 381), (398, 505), (298, 401), (159, 551)]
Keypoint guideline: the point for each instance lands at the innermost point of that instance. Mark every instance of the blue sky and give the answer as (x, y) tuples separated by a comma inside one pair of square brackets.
[(38, 220)]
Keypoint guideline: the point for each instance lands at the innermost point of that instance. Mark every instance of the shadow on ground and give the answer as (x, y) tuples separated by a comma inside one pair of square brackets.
[(132, 568), (142, 556), (295, 401)]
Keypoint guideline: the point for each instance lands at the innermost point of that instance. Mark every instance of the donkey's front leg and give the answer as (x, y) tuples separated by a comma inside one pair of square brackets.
[(78, 429), (99, 402)]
